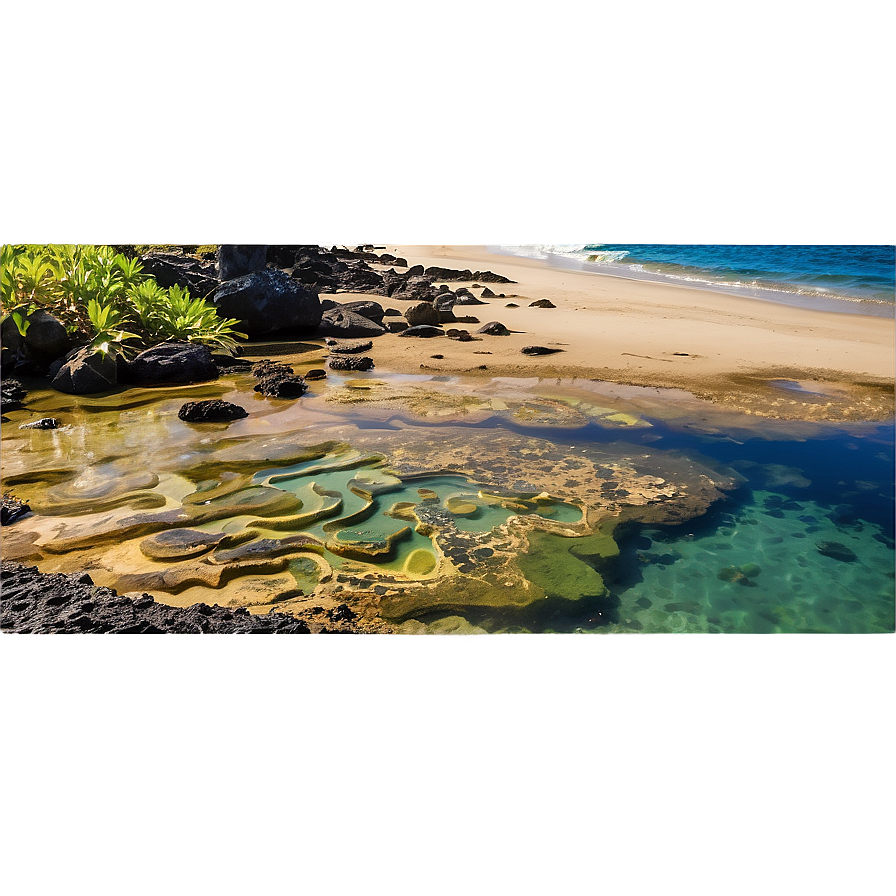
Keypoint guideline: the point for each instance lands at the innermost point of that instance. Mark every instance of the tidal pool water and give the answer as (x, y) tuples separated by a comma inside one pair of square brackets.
[(729, 524)]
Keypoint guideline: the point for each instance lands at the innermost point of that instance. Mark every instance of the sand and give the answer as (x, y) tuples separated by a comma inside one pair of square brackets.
[(721, 347)]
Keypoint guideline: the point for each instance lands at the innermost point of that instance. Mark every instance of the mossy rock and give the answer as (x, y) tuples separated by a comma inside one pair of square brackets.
[(550, 564)]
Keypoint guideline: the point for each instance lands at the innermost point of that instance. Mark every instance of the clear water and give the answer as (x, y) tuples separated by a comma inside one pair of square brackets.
[(860, 279)]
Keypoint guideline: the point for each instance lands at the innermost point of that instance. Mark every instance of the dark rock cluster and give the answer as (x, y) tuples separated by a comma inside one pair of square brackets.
[(351, 363), (11, 508), (39, 603)]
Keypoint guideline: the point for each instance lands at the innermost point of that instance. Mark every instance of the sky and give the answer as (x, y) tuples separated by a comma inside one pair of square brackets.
[(465, 122)]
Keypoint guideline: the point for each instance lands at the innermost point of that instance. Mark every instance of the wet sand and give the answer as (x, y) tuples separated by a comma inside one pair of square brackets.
[(729, 349)]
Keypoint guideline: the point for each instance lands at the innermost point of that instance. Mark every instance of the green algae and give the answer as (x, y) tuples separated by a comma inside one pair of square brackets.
[(568, 568)]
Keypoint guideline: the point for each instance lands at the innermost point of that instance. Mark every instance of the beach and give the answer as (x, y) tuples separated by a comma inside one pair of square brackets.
[(724, 348)]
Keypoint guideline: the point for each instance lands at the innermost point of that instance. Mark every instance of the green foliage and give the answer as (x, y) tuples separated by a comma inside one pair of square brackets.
[(104, 296)]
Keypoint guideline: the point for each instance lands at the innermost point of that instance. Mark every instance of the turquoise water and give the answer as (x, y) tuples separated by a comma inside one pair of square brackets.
[(860, 279)]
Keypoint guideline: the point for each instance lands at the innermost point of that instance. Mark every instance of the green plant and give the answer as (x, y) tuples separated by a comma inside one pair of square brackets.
[(104, 297)]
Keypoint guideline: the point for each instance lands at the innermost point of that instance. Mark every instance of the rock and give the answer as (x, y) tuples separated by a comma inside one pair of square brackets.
[(171, 363), (437, 273), (415, 271), (351, 348), (836, 551), (487, 293), (494, 328), (360, 277), (542, 303), (85, 372), (351, 363), (316, 373), (180, 544), (267, 301), (491, 277), (266, 368), (231, 365), (175, 270), (397, 326), (347, 325), (424, 331), (211, 411), (342, 613), (459, 335), (467, 300), (421, 313), (12, 394), (43, 423), (391, 312), (415, 289), (511, 305), (282, 256), (539, 350), (35, 602), (238, 261), (46, 338), (281, 385), (11, 509), (371, 310)]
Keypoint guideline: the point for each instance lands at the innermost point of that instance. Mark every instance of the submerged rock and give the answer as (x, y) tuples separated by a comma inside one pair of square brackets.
[(211, 411), (836, 551), (281, 385)]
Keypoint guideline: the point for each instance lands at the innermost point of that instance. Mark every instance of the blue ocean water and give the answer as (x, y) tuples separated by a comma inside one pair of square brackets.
[(823, 276)]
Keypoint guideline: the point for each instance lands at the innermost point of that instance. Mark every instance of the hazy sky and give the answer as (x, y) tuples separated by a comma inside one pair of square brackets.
[(449, 121)]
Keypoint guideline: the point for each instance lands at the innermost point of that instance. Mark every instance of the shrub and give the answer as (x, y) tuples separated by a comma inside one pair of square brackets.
[(105, 297)]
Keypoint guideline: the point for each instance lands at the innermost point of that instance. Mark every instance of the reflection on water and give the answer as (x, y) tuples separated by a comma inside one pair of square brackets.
[(303, 493)]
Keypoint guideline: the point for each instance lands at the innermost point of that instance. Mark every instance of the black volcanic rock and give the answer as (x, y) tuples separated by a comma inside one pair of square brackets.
[(86, 371), (171, 363), (267, 301), (211, 411), (494, 328), (11, 509), (238, 261), (539, 350), (351, 363), (423, 331), (542, 303), (344, 324)]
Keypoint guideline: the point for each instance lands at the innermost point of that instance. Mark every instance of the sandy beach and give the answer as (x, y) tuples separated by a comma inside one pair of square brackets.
[(720, 347)]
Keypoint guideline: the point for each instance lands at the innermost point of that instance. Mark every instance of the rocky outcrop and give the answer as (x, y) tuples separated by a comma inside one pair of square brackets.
[(414, 289), (85, 372), (211, 411), (437, 273), (40, 603), (171, 363), (267, 301), (347, 325), (238, 261)]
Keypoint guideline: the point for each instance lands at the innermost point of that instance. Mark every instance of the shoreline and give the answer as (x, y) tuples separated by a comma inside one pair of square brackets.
[(730, 350), (811, 301)]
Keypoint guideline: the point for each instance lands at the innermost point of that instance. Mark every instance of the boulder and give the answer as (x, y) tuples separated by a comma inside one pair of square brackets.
[(211, 411), (351, 348), (171, 363), (423, 331), (267, 301), (86, 371), (486, 293), (491, 277), (541, 303), (316, 373), (414, 289), (371, 310), (46, 338), (391, 312), (422, 313), (360, 277), (176, 270), (397, 326), (494, 328), (415, 271), (468, 299), (238, 261), (347, 325), (437, 273)]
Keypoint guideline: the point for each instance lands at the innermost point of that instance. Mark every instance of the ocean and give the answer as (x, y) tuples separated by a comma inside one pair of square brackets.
[(855, 279)]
